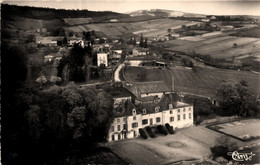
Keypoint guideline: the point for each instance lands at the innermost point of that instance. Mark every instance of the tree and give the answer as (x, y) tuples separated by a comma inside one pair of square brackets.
[(141, 44), (235, 99), (223, 145), (145, 43), (30, 38), (187, 62), (42, 80), (55, 79), (77, 121)]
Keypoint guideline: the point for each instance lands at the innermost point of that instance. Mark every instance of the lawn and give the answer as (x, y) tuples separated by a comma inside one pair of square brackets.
[(241, 129), (203, 81)]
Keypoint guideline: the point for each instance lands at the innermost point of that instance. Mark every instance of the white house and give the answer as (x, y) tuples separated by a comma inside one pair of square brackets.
[(102, 59), (127, 122)]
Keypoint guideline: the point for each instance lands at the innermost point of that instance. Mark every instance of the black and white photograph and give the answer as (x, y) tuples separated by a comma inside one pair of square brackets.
[(131, 82)]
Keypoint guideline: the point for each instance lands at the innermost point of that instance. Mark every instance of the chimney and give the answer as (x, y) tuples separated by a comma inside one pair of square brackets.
[(172, 85)]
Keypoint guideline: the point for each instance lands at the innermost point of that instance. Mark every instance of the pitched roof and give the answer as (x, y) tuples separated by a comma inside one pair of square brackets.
[(152, 87)]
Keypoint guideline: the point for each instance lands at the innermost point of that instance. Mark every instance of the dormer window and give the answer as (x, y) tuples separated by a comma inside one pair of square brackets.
[(157, 109), (170, 106), (134, 112), (144, 111)]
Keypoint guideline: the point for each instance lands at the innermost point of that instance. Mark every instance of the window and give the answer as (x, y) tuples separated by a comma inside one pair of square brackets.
[(171, 119), (119, 137), (124, 119), (158, 119), (189, 115), (184, 116), (113, 137), (178, 110), (170, 106), (183, 109), (124, 126), (151, 121), (112, 129), (134, 125), (118, 120), (189, 108), (144, 111), (134, 118), (145, 121), (170, 112), (134, 112), (179, 117), (118, 127)]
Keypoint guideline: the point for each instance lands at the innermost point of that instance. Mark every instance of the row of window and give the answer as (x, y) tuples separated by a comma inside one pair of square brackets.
[(134, 117), (145, 121)]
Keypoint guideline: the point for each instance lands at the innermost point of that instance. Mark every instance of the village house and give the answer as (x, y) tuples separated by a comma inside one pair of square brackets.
[(102, 59), (131, 117), (48, 58), (140, 51), (47, 41)]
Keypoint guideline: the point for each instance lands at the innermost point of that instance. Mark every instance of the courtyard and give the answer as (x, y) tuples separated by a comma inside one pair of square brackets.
[(187, 146)]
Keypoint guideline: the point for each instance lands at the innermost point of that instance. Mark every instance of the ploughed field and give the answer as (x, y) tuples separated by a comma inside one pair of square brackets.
[(203, 81), (219, 45), (155, 27)]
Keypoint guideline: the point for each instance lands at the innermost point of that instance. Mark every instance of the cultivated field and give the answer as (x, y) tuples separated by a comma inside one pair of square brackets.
[(77, 21), (221, 47), (203, 81), (149, 28)]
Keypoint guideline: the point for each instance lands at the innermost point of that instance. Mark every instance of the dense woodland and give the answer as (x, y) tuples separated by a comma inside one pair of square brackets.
[(49, 13)]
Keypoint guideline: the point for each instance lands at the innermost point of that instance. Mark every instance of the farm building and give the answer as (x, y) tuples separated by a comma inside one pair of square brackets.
[(137, 61), (102, 59), (47, 41), (131, 117), (151, 88), (140, 51)]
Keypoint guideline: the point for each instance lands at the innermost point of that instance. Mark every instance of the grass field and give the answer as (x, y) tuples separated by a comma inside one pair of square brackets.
[(241, 128), (204, 81), (218, 46)]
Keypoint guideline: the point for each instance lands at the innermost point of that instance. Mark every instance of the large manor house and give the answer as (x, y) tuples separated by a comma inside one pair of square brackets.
[(148, 104)]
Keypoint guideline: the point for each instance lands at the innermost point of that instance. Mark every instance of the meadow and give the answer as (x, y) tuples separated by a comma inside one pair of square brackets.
[(203, 81)]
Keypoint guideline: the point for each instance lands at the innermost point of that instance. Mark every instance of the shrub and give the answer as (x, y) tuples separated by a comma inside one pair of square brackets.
[(198, 121), (150, 132), (169, 128), (161, 130), (142, 133)]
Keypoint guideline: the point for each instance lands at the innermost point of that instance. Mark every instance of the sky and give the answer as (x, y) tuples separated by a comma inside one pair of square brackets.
[(216, 7)]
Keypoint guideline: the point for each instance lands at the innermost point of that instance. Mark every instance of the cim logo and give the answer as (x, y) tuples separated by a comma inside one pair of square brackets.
[(241, 156)]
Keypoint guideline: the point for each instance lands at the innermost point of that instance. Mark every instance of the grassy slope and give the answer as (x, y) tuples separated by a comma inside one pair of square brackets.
[(202, 82)]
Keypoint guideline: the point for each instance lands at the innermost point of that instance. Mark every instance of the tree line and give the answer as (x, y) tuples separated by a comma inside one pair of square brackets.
[(51, 13)]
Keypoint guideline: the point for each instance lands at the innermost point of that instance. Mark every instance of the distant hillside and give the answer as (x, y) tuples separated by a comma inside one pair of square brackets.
[(163, 13), (49, 13)]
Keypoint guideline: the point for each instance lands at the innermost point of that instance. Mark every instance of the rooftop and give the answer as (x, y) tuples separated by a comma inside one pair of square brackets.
[(163, 104), (152, 87)]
